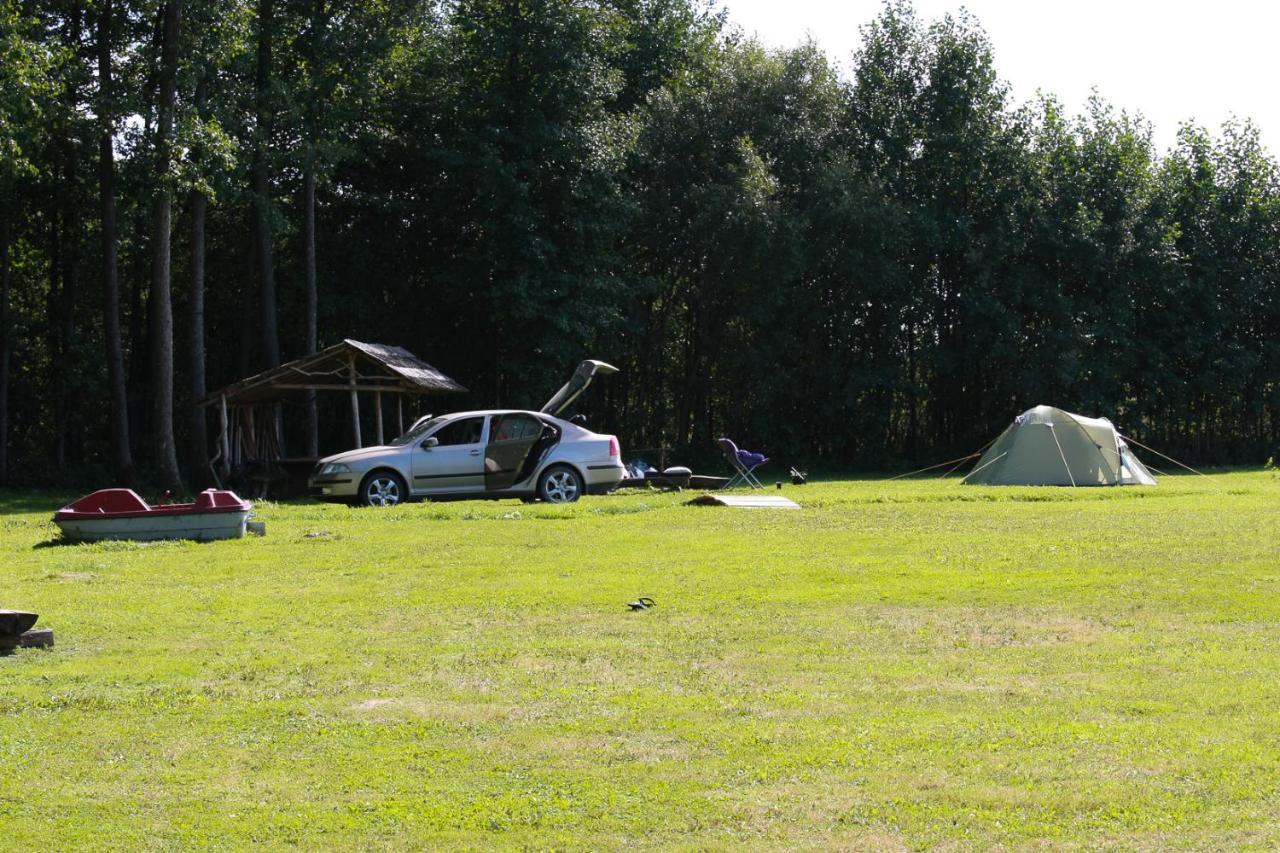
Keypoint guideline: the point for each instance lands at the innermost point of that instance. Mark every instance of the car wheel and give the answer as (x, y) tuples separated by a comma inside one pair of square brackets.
[(383, 488), (560, 485)]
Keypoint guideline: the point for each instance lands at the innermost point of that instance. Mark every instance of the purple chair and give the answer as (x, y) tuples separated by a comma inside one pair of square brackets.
[(744, 462)]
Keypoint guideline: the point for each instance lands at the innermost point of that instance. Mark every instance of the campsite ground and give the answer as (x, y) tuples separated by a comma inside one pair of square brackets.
[(897, 664)]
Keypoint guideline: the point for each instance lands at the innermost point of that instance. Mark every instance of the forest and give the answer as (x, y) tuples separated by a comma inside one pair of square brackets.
[(852, 262)]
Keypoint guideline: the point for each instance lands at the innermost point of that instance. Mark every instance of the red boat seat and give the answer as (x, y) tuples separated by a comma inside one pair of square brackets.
[(110, 500), (216, 499)]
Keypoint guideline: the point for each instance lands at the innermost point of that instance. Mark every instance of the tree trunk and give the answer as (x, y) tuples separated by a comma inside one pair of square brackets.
[(309, 263), (66, 221), (261, 188), (199, 435), (139, 364), (66, 367), (199, 205), (161, 304), (52, 328), (319, 20), (121, 455), (248, 304), (4, 347)]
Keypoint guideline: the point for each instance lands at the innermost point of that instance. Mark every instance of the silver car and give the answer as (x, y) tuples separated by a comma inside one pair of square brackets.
[(493, 453)]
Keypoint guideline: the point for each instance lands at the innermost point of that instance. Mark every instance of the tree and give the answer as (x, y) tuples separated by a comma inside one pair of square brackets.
[(216, 34), (852, 269), (340, 48), (121, 452), (199, 208), (264, 111), (166, 456), (22, 69)]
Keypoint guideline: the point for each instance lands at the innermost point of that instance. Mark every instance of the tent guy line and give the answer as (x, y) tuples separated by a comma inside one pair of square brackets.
[(960, 460), (1163, 456)]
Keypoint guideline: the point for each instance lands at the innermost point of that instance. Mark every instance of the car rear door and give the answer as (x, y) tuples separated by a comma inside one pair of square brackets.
[(511, 438), (455, 463)]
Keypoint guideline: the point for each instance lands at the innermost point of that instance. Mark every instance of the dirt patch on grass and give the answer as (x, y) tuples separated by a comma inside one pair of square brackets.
[(807, 816), (443, 709), (987, 628), (67, 577)]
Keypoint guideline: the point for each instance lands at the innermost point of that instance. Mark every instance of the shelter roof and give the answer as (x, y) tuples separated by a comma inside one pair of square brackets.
[(344, 366)]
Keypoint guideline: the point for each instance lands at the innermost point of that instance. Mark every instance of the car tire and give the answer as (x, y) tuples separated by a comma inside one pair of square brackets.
[(560, 484), (382, 488)]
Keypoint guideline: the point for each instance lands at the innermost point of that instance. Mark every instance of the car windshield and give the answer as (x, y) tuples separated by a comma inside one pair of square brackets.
[(416, 432)]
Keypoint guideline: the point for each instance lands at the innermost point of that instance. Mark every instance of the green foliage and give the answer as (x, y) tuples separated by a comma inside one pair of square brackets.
[(863, 269), (24, 84)]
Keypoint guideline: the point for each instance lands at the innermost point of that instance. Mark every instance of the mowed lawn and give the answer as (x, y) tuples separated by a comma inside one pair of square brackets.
[(896, 665)]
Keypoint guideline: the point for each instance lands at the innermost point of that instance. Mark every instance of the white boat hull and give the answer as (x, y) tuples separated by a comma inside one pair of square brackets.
[(198, 526)]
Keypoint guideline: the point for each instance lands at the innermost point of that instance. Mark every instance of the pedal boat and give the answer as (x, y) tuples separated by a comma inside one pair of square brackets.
[(121, 514)]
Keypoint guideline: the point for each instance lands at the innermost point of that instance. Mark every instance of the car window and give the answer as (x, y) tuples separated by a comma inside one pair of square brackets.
[(419, 429), (461, 431), (514, 428)]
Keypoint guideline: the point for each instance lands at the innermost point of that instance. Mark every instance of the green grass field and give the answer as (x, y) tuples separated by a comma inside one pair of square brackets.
[(897, 665)]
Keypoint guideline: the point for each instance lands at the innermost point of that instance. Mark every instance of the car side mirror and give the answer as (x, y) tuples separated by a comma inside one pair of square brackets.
[(430, 443)]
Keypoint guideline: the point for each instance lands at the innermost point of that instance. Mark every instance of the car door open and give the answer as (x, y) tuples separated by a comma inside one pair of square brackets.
[(512, 437)]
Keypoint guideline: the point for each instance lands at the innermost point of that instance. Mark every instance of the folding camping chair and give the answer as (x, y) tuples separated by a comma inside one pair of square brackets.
[(744, 462)]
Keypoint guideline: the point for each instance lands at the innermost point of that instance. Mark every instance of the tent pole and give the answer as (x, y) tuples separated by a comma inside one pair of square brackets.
[(1053, 432), (1089, 438)]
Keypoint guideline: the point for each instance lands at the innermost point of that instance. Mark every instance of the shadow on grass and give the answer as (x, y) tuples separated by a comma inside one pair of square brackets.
[(15, 502), (58, 542), (126, 543)]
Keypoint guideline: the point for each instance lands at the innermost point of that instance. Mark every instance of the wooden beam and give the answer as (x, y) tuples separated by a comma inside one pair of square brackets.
[(299, 386), (355, 403), (400, 414), (302, 386), (377, 414)]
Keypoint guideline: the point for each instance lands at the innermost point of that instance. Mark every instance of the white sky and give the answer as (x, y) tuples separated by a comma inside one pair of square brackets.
[(1172, 60)]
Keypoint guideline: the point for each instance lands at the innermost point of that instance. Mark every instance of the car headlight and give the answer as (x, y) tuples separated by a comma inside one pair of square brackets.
[(335, 468)]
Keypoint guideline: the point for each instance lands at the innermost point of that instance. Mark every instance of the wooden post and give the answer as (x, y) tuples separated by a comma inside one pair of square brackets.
[(225, 439), (251, 430), (377, 411), (355, 402), (400, 412), (279, 425)]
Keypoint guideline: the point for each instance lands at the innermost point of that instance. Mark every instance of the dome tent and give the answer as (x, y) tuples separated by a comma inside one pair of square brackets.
[(1046, 446)]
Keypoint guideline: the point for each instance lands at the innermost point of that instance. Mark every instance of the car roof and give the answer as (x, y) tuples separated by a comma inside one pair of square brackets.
[(481, 412), (568, 428)]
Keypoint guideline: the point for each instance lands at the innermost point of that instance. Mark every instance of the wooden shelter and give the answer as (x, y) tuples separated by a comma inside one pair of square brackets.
[(251, 426)]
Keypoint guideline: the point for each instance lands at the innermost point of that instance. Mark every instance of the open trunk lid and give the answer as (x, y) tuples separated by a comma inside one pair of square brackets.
[(577, 383)]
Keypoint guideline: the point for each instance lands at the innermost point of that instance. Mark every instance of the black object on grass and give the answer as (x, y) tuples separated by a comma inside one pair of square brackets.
[(37, 638), (642, 603), (13, 624)]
